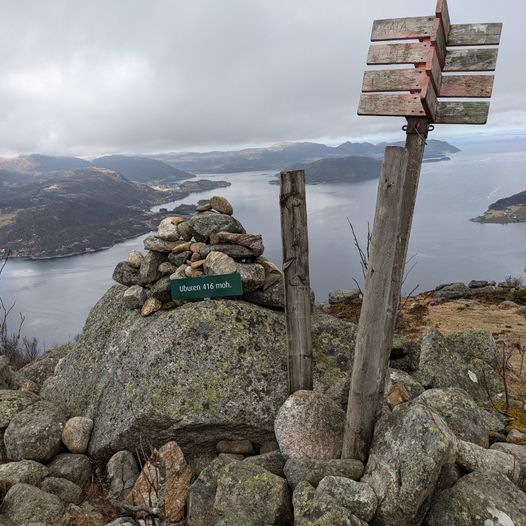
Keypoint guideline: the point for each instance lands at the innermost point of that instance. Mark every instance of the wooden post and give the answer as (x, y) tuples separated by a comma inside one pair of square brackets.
[(376, 318), (296, 277)]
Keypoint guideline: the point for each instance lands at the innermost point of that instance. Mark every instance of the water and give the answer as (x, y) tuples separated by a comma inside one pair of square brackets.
[(56, 295)]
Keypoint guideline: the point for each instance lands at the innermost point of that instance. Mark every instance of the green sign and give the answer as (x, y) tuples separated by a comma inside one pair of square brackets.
[(207, 287)]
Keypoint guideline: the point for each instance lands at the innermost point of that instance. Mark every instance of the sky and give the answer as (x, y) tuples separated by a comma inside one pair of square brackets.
[(138, 76)]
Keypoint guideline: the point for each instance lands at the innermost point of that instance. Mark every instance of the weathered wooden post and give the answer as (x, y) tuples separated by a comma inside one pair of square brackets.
[(296, 277), (433, 56)]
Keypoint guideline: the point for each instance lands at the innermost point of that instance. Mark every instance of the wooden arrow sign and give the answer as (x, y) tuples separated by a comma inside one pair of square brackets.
[(433, 59)]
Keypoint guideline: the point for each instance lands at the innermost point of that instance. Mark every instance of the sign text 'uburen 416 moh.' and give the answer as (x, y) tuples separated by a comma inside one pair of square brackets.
[(207, 287)]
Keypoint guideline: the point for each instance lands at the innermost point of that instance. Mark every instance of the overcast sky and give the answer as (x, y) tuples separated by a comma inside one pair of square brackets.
[(88, 77)]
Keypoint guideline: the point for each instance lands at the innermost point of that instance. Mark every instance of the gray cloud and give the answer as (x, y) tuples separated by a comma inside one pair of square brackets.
[(136, 76)]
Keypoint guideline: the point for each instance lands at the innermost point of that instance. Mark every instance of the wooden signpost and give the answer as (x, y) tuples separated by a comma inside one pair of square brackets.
[(436, 53)]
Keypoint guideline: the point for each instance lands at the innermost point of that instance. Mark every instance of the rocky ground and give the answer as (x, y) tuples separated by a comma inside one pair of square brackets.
[(181, 416)]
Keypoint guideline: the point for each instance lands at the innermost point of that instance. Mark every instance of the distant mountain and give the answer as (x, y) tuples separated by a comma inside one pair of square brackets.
[(339, 170), (72, 212), (279, 156), (142, 169), (507, 210)]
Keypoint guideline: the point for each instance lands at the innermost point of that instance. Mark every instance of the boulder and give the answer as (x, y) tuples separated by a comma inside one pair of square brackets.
[(202, 493), (221, 205), (309, 425), (478, 284), (273, 296), (156, 244), (149, 271), (516, 437), (64, 489), (167, 229), (452, 291), (405, 355), (121, 473), (272, 461), (312, 471), (135, 296), (234, 251), (358, 497), (24, 471), (396, 376), (208, 371), (460, 360), (202, 225), (409, 449), (12, 403), (232, 518), (179, 259), (465, 418), (484, 498), (254, 493), (217, 263), (313, 508), (35, 433), (11, 379), (161, 290), (76, 433), (167, 267), (125, 274), (151, 306), (252, 276), (253, 242), (44, 367), (135, 259), (25, 504), (185, 230), (71, 466), (343, 296)]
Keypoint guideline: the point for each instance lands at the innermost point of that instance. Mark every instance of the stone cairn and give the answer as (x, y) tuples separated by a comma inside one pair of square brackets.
[(211, 242)]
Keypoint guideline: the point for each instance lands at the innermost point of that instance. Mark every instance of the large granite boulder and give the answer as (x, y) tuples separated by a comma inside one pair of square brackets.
[(461, 360), (482, 497), (204, 372), (409, 450), (44, 367), (12, 403)]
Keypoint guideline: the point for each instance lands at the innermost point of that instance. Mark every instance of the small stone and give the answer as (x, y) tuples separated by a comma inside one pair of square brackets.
[(197, 264), (343, 296), (272, 297), (234, 251), (217, 263), (252, 276), (135, 259), (273, 462), (309, 425), (134, 297), (161, 290), (72, 466), (122, 472), (150, 306), (167, 267), (179, 259), (516, 437), (64, 489), (185, 230), (25, 504), (182, 247), (204, 224), (253, 242), (221, 205), (397, 395), (188, 271), (272, 273), (149, 271), (312, 471), (76, 433), (195, 257), (23, 471), (237, 447), (167, 230), (358, 497), (125, 274), (203, 208), (197, 247), (180, 273), (156, 244)]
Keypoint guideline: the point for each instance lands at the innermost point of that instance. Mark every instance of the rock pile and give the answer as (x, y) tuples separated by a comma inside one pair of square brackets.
[(212, 242)]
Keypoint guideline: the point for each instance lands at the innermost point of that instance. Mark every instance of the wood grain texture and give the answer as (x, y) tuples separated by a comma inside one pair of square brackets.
[(296, 277), (478, 59), (442, 11), (417, 53), (370, 360), (474, 34), (462, 113), (391, 105), (434, 68), (438, 40), (393, 80), (467, 86), (402, 28), (429, 99)]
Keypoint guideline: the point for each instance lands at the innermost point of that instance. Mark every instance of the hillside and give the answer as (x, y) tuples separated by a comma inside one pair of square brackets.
[(507, 210), (279, 156), (79, 211), (339, 170)]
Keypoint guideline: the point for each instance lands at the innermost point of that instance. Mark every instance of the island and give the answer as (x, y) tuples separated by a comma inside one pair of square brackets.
[(507, 210)]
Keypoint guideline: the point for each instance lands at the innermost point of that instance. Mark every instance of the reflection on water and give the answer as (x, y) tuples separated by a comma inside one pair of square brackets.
[(56, 295)]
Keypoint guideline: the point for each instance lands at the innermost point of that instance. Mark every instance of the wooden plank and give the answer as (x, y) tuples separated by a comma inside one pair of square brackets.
[(442, 11), (474, 34), (477, 59), (417, 53), (429, 99), (296, 278), (371, 352), (467, 86), (438, 39), (434, 69), (394, 80), (402, 28), (391, 105), (462, 113)]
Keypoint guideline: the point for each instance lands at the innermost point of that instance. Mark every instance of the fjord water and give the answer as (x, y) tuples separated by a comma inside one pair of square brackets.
[(55, 295)]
